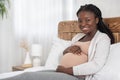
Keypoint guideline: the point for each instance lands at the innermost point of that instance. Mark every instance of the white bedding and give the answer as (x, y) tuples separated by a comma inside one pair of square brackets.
[(111, 71), (33, 69), (10, 74)]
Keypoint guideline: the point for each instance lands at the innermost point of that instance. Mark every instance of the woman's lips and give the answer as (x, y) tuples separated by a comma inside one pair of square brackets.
[(85, 28)]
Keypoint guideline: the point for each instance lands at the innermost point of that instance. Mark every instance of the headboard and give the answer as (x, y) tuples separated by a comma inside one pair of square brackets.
[(68, 29)]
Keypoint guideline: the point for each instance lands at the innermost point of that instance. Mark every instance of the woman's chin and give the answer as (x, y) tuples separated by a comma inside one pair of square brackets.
[(85, 31)]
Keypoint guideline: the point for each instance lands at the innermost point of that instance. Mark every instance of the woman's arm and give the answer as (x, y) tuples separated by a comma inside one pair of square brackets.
[(98, 60), (65, 70)]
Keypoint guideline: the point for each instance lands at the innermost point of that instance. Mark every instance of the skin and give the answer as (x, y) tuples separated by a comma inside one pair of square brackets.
[(72, 49), (88, 24)]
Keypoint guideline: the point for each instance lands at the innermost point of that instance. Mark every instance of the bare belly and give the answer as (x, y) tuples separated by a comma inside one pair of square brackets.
[(70, 60)]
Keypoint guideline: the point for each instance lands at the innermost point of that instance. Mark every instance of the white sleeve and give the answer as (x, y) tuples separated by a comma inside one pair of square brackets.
[(101, 54)]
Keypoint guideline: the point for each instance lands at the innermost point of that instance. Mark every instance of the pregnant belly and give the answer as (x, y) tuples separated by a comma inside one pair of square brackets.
[(70, 60)]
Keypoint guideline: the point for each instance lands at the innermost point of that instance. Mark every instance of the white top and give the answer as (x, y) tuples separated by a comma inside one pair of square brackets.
[(97, 55)]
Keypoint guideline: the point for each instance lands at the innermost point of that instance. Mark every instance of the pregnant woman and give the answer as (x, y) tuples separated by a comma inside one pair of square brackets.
[(93, 46)]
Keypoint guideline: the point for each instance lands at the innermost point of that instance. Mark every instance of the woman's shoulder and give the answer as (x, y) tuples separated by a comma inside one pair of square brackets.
[(99, 36), (103, 35)]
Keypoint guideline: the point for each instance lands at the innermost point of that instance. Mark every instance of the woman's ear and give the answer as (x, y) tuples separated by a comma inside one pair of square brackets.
[(97, 20)]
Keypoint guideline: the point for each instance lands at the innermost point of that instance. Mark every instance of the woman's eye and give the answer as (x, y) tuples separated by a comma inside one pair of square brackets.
[(79, 21), (87, 20)]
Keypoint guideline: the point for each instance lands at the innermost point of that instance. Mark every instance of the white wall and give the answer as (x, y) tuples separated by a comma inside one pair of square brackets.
[(109, 8)]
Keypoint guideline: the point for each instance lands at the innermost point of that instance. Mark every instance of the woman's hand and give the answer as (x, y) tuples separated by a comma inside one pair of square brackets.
[(72, 49), (64, 70)]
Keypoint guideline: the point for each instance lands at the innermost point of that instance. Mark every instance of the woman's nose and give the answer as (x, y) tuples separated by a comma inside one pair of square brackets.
[(83, 23)]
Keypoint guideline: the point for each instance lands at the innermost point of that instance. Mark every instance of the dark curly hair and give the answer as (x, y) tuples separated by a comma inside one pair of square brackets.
[(101, 26)]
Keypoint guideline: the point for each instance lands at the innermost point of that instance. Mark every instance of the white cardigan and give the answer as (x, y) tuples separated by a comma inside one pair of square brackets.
[(97, 55)]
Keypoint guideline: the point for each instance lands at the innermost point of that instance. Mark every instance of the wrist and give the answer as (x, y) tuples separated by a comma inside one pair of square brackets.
[(70, 70)]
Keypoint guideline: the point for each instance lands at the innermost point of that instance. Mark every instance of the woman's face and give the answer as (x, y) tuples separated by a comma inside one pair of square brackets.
[(87, 22)]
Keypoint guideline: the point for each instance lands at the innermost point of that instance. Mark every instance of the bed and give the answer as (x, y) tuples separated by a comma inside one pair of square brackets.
[(68, 29)]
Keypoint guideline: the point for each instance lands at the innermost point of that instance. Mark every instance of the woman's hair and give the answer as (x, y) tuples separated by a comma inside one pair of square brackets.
[(101, 25)]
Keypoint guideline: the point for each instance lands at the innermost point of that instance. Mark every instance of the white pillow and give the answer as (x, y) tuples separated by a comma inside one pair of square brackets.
[(56, 52), (111, 70)]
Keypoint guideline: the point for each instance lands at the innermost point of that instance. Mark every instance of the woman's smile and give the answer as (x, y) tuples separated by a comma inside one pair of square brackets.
[(85, 28)]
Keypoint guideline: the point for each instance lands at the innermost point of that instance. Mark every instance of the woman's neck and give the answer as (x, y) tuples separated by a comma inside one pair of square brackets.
[(89, 36)]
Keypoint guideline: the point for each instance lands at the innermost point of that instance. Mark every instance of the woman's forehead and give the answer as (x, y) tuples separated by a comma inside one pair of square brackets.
[(86, 14)]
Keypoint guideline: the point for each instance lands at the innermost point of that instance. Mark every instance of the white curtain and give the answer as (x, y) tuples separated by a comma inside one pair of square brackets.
[(34, 21), (37, 21)]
